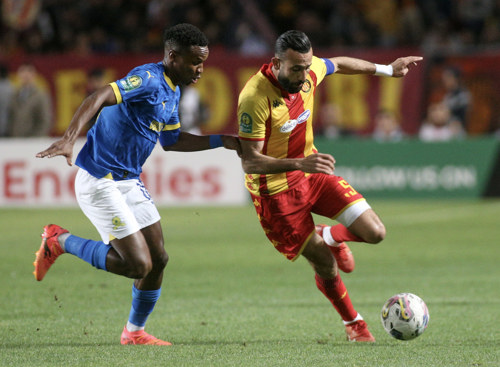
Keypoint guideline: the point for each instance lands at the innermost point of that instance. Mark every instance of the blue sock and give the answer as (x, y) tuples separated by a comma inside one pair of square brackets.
[(93, 252), (143, 303)]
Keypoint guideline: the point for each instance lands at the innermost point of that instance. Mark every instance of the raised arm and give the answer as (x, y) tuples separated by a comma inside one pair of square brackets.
[(254, 161), (89, 107), (350, 65)]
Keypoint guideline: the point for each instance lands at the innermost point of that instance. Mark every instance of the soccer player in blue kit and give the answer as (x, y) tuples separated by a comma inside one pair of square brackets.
[(136, 112)]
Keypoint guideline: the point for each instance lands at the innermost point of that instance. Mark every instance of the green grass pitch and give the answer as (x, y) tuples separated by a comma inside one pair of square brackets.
[(229, 299)]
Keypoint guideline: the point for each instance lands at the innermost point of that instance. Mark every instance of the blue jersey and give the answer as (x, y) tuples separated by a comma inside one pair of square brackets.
[(125, 134)]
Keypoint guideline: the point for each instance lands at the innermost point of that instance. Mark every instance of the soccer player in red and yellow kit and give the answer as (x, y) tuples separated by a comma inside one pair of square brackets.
[(288, 179)]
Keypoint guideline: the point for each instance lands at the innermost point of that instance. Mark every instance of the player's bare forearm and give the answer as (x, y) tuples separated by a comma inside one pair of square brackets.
[(192, 143), (253, 161), (350, 66), (266, 165), (262, 164), (89, 107)]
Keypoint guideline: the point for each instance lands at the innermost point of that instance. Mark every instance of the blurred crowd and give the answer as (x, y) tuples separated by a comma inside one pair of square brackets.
[(247, 26)]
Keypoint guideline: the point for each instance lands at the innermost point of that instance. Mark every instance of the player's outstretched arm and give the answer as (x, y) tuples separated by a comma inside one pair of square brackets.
[(398, 68), (192, 143), (89, 107), (255, 162)]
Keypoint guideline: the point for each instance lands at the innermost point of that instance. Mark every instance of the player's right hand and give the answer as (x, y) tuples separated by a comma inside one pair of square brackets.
[(60, 147), (318, 163)]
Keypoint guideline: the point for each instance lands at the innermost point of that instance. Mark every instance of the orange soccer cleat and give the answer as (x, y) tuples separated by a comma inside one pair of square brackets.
[(140, 337), (342, 253), (49, 251), (358, 332)]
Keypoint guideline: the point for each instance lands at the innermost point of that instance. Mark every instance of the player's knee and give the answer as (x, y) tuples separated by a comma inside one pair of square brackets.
[(140, 268), (160, 262)]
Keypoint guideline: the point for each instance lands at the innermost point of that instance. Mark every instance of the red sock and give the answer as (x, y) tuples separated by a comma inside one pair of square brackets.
[(336, 292), (341, 234)]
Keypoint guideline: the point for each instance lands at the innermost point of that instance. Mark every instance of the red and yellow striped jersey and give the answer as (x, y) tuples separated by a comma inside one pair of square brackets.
[(284, 121)]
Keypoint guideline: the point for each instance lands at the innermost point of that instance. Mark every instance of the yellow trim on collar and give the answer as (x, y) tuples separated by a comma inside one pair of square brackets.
[(169, 82)]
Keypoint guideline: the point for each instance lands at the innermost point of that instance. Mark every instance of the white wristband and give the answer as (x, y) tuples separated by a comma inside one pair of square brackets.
[(383, 70)]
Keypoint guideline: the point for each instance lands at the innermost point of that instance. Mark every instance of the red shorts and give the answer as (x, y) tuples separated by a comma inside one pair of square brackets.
[(286, 217)]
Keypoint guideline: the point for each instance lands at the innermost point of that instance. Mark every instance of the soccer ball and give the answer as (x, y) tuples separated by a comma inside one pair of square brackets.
[(405, 316)]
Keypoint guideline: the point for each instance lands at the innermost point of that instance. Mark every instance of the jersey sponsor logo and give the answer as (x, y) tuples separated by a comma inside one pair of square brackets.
[(277, 103), (291, 124), (246, 123), (131, 82), (306, 87)]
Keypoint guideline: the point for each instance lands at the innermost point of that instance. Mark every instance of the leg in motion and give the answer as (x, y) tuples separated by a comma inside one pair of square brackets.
[(128, 256), (367, 227), (146, 291), (330, 283), (340, 250)]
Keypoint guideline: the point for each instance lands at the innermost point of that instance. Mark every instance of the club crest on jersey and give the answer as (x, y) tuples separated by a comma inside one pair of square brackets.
[(245, 123), (306, 87), (291, 124), (131, 82)]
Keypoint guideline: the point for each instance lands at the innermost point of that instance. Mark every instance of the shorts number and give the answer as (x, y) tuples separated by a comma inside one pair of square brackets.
[(346, 186)]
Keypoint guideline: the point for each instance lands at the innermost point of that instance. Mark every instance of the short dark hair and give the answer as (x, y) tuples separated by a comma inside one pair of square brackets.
[(296, 40), (184, 35)]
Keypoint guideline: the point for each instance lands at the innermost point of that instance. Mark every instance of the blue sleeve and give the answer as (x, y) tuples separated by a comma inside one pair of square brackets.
[(330, 68), (169, 137), (172, 130), (138, 85)]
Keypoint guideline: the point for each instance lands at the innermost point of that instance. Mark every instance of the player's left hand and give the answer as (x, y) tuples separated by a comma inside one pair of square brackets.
[(401, 66), (233, 143)]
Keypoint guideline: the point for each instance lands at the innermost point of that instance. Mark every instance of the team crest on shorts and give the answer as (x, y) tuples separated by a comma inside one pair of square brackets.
[(246, 123), (117, 222), (131, 82)]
